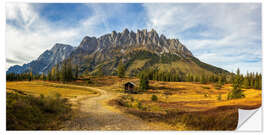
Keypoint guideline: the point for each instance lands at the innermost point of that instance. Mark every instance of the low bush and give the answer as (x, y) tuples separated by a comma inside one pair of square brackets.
[(205, 87), (154, 98), (25, 112), (235, 94), (218, 86), (219, 97)]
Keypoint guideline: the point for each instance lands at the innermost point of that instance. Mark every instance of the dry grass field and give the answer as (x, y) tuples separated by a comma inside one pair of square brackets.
[(49, 88), (189, 96), (178, 105), (194, 105), (71, 92), (186, 96)]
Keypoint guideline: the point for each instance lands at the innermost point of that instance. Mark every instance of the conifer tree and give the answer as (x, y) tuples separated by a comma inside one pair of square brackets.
[(121, 69), (77, 72), (49, 76), (203, 79), (237, 85), (69, 72), (144, 81), (63, 76), (57, 73), (246, 83), (53, 74), (220, 81)]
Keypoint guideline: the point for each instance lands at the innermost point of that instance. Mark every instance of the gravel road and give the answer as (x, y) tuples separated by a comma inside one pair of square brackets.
[(95, 114)]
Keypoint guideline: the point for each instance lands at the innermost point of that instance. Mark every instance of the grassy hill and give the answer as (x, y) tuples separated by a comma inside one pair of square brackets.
[(139, 60)]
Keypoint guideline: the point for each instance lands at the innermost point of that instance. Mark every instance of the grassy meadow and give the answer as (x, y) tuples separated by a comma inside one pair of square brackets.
[(41, 105), (48, 88), (192, 105), (197, 106)]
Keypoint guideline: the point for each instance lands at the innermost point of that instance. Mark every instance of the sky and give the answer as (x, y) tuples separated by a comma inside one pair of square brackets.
[(224, 35)]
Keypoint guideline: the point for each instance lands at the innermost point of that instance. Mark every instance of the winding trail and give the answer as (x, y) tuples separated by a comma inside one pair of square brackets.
[(95, 114)]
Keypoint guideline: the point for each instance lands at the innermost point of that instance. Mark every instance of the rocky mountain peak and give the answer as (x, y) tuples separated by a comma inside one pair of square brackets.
[(45, 61), (114, 34), (88, 43), (125, 31), (58, 45), (148, 39)]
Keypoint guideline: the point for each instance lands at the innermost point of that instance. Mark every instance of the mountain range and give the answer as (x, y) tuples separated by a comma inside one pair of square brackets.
[(136, 50), (45, 61)]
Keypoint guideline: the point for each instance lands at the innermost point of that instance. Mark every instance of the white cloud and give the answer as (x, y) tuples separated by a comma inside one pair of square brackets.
[(228, 29), (29, 35)]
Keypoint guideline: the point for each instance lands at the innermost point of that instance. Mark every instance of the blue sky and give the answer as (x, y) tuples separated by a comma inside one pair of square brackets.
[(224, 35)]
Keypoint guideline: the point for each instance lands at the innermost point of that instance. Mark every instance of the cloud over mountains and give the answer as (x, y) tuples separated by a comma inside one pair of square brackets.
[(225, 35)]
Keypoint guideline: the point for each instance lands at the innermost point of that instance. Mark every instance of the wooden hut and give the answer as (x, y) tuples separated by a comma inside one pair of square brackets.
[(130, 87)]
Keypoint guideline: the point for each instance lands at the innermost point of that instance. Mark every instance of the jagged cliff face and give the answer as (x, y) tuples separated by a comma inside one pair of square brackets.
[(137, 51), (127, 40), (45, 61)]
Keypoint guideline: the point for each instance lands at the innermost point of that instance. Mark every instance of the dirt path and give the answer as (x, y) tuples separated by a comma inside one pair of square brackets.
[(95, 114)]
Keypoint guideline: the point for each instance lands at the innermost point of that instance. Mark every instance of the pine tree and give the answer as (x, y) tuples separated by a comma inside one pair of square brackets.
[(144, 81), (57, 73), (121, 69), (53, 74), (30, 76), (260, 81), (49, 76), (69, 72), (63, 76), (77, 72), (203, 79), (246, 83), (237, 85), (220, 80)]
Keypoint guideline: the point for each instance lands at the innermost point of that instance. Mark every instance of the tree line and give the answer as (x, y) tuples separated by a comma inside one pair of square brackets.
[(65, 73), (250, 80)]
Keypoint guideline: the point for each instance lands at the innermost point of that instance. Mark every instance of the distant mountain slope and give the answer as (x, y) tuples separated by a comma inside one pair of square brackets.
[(138, 51), (45, 61)]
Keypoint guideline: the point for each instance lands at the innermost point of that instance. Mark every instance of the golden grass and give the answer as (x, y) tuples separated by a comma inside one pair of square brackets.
[(195, 97), (48, 88), (191, 96)]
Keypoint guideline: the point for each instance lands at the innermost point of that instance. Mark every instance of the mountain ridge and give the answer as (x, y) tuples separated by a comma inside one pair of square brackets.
[(45, 61), (104, 53)]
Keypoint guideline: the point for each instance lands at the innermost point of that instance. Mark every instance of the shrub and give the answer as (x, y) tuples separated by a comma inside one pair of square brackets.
[(89, 82), (131, 99), (140, 105), (154, 98), (235, 94), (219, 97), (205, 87), (218, 86), (144, 83), (35, 113)]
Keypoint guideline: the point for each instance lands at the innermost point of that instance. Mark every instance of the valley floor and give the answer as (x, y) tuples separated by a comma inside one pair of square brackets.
[(90, 106), (95, 114), (95, 103)]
